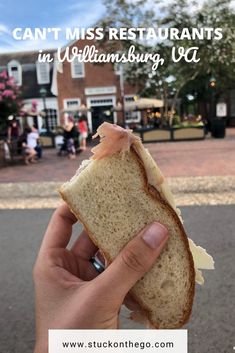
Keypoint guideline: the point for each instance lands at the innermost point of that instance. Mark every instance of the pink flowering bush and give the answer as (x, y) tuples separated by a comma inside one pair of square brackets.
[(4, 75), (10, 103), (8, 93)]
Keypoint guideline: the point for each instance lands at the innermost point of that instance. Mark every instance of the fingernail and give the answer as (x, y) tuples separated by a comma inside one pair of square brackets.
[(154, 235)]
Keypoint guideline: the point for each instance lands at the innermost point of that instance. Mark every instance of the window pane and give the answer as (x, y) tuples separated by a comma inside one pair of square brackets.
[(52, 119), (78, 69), (43, 73), (14, 72), (71, 103)]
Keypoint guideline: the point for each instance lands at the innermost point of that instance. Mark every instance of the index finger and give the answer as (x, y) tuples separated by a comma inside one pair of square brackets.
[(59, 229)]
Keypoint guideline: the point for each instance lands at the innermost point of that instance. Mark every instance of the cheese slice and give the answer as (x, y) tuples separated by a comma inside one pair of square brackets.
[(202, 259)]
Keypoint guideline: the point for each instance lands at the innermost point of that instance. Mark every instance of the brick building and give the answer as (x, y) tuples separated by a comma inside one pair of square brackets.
[(31, 76), (95, 87)]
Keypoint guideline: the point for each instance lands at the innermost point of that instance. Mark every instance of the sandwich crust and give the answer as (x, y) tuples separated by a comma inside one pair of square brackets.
[(155, 194)]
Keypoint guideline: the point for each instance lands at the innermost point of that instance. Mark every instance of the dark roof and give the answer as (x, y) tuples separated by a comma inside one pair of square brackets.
[(30, 87), (24, 57)]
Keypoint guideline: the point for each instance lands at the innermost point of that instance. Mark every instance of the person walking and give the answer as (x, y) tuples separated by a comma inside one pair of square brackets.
[(83, 129), (33, 141), (70, 130)]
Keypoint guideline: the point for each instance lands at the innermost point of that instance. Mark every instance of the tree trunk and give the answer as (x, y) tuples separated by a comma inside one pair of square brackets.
[(173, 106), (176, 96)]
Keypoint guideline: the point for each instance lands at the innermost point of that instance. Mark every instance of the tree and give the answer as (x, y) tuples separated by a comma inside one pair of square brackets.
[(9, 99), (215, 55), (174, 79)]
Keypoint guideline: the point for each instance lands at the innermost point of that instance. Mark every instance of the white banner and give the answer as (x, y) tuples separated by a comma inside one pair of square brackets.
[(221, 110), (119, 341)]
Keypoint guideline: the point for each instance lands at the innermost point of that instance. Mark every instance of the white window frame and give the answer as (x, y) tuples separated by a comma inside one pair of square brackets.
[(67, 100), (39, 77), (74, 75), (117, 69), (14, 63)]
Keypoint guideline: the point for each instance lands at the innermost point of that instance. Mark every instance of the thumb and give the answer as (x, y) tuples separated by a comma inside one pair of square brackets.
[(134, 261)]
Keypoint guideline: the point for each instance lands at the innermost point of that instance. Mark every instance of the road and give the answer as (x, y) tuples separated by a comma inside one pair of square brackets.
[(176, 159), (211, 328)]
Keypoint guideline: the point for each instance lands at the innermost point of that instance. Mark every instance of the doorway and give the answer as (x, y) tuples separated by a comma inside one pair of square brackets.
[(101, 111), (100, 115)]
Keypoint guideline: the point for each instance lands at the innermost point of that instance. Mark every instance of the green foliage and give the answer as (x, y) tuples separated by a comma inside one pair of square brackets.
[(9, 99), (176, 120), (174, 80)]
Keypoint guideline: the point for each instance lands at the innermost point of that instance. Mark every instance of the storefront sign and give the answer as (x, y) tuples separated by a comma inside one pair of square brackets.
[(100, 90), (221, 110)]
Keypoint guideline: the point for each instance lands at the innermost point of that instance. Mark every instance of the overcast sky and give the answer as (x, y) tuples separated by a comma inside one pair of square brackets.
[(49, 13)]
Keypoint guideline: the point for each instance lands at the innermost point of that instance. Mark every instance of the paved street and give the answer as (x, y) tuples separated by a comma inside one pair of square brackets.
[(199, 173), (211, 329), (210, 157)]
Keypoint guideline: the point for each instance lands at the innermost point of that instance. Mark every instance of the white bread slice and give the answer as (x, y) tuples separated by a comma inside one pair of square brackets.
[(113, 200)]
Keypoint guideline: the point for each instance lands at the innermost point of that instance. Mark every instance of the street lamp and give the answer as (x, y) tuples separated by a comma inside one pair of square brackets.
[(212, 84), (122, 89), (43, 94)]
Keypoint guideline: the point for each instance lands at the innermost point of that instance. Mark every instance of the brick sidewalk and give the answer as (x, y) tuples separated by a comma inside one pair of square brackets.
[(210, 157)]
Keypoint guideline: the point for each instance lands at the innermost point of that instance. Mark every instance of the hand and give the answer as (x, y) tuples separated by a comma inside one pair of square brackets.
[(70, 294)]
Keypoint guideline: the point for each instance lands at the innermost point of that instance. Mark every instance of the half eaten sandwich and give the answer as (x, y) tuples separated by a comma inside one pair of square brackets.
[(117, 193)]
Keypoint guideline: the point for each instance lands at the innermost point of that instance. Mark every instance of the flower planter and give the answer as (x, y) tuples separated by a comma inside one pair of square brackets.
[(171, 134)]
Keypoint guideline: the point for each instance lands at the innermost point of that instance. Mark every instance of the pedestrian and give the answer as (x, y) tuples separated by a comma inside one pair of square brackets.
[(28, 152), (70, 130), (33, 141), (35, 138), (83, 130), (13, 131), (70, 293)]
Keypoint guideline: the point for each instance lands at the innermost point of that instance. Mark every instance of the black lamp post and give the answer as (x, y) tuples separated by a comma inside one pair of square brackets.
[(212, 84), (43, 94), (122, 89)]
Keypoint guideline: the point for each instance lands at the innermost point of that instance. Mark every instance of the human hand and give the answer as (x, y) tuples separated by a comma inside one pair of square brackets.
[(70, 294)]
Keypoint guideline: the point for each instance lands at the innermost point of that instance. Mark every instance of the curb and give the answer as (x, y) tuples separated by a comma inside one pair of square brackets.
[(187, 191)]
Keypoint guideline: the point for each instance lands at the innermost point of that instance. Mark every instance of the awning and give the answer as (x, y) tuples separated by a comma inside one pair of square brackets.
[(141, 104), (82, 109)]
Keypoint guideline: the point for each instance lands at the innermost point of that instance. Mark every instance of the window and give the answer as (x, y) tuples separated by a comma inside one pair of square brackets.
[(43, 73), (117, 69), (133, 117), (129, 98), (52, 119), (72, 103), (77, 69), (15, 71), (101, 102)]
